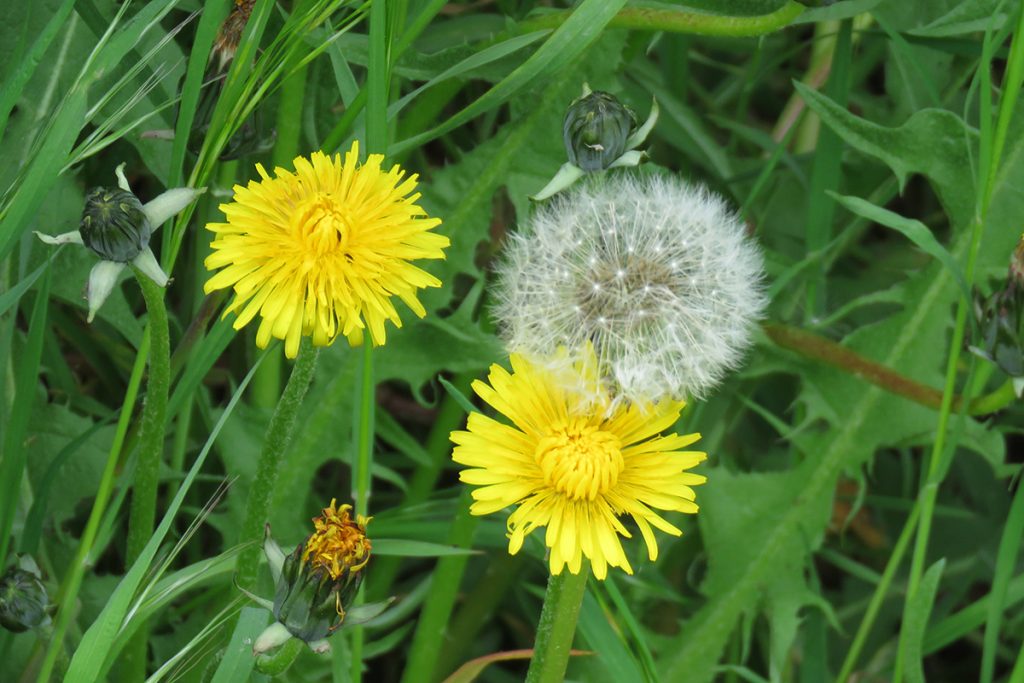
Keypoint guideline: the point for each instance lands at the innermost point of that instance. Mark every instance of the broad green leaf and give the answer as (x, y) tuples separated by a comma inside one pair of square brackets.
[(613, 659), (870, 416), (933, 142)]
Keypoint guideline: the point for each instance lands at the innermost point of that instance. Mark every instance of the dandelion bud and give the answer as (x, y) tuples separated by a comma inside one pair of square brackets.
[(596, 129), (318, 581), (114, 224), (23, 599), (1001, 323), (658, 275)]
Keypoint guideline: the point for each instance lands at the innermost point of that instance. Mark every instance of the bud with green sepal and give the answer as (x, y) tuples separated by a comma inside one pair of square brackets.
[(316, 584), (1001, 323), (599, 133), (24, 603), (117, 227)]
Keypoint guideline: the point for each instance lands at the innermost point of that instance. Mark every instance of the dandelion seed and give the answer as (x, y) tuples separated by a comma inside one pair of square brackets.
[(572, 466), (668, 303), (322, 250)]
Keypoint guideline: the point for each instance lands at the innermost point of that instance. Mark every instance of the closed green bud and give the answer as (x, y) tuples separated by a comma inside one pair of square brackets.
[(1001, 321), (114, 224), (596, 130), (23, 599)]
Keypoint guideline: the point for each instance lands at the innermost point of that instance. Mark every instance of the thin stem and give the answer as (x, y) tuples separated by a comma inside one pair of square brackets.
[(881, 590), (435, 617), (364, 450), (557, 626), (937, 460), (275, 443), (677, 21), (67, 595), (827, 351), (378, 86), (142, 516)]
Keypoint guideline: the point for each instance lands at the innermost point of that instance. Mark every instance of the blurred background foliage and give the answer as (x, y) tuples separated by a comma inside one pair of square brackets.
[(819, 449)]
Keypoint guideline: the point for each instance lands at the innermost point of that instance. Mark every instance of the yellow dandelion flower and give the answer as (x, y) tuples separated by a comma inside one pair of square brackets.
[(320, 251), (338, 543), (574, 466)]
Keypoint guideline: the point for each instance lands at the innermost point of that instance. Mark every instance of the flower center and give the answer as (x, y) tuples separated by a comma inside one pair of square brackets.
[(321, 225), (580, 461), (338, 542), (623, 292)]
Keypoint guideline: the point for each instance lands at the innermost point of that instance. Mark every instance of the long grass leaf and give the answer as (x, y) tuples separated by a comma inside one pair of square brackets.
[(1006, 562), (14, 84), (567, 42), (15, 455), (88, 660)]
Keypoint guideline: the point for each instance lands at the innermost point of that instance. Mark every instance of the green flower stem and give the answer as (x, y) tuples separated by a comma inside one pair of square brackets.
[(378, 87), (275, 442), (142, 515), (827, 351), (557, 626), (993, 141), (679, 21), (67, 595)]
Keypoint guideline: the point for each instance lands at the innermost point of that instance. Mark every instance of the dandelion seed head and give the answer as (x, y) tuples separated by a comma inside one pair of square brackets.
[(657, 274)]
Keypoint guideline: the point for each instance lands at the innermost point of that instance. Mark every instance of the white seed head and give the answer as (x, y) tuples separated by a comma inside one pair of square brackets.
[(656, 273)]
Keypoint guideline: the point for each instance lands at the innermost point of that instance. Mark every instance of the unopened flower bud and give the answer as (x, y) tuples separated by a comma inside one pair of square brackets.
[(596, 130), (23, 599), (114, 224)]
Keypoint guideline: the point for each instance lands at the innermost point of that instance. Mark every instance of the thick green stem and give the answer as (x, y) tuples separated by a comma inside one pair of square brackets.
[(275, 443), (142, 516), (557, 626)]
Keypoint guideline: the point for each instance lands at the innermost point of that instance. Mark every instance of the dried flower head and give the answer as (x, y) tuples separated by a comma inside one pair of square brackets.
[(656, 273), (574, 466), (316, 584)]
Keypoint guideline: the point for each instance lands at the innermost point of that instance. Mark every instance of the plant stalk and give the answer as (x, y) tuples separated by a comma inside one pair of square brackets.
[(275, 443), (557, 626), (142, 515)]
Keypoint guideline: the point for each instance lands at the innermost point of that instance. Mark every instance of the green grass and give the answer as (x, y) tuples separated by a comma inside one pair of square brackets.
[(863, 515)]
